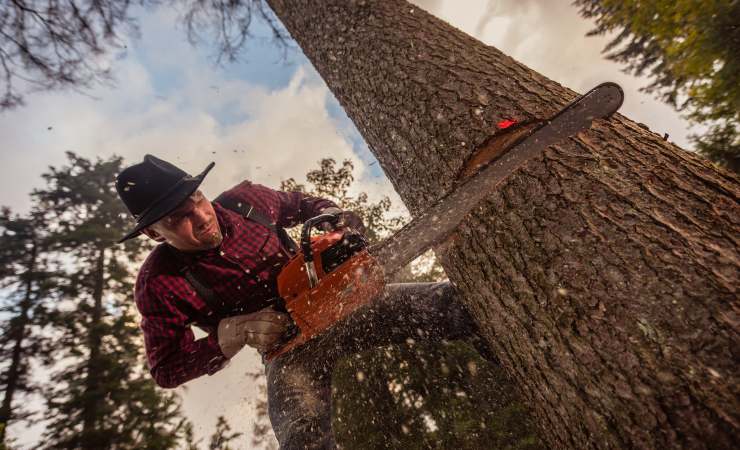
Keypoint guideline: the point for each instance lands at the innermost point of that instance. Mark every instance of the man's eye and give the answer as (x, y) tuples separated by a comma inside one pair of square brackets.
[(176, 218)]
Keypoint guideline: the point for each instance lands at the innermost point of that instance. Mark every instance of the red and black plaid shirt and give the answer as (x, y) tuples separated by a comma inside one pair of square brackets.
[(241, 271)]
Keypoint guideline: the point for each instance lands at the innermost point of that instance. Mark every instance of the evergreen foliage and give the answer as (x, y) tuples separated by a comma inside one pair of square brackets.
[(26, 278), (428, 397), (222, 436), (262, 434), (100, 395), (691, 50), (47, 44)]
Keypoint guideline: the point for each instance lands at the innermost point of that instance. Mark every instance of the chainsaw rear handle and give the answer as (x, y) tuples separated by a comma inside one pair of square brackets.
[(313, 278), (306, 233)]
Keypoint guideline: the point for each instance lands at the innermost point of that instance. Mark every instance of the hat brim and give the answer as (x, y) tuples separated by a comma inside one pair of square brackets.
[(184, 189)]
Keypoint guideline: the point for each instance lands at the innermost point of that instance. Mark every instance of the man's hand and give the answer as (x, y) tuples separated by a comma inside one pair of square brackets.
[(261, 330), (347, 219)]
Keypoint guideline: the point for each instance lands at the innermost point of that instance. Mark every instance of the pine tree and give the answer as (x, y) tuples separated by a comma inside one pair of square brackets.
[(262, 435), (691, 51), (100, 395), (603, 273), (222, 437), (188, 438), (26, 277), (415, 396)]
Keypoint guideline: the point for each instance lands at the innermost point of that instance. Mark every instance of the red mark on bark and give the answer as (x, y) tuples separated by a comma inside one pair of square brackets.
[(505, 124)]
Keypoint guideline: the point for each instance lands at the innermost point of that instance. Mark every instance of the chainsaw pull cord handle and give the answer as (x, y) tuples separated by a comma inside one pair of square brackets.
[(313, 278)]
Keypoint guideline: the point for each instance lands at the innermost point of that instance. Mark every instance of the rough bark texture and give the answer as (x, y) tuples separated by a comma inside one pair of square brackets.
[(604, 273)]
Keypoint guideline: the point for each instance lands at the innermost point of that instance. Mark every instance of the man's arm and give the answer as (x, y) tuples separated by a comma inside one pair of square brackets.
[(173, 353), (303, 207), (296, 207), (287, 209)]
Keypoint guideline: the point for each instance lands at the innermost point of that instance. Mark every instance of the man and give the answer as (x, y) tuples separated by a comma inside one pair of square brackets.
[(216, 267)]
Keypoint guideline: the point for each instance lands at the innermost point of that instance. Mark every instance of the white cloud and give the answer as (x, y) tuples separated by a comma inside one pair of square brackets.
[(277, 134)]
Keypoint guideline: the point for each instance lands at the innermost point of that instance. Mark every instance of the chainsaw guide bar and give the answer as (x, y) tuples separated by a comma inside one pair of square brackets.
[(441, 219), (336, 273)]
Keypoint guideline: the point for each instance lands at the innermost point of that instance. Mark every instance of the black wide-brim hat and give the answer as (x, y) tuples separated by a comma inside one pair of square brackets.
[(154, 188)]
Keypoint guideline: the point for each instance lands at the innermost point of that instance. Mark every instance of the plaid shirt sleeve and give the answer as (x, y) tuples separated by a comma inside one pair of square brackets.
[(173, 353), (287, 209)]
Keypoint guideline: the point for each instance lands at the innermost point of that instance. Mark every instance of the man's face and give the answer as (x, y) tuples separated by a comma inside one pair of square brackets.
[(191, 227)]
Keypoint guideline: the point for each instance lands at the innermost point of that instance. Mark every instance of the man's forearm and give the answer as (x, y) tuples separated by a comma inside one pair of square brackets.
[(313, 206), (200, 357)]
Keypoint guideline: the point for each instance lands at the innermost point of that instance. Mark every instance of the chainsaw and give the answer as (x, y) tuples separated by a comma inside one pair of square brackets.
[(334, 274)]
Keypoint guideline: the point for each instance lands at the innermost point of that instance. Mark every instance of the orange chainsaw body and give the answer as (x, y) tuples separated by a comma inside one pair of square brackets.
[(348, 278)]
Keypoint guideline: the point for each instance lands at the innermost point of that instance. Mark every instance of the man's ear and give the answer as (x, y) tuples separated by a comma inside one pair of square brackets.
[(152, 234)]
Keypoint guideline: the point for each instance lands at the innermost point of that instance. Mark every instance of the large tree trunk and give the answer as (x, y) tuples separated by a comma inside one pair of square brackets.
[(604, 273)]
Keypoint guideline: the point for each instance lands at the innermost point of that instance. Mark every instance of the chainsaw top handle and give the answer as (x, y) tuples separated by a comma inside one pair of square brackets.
[(306, 233)]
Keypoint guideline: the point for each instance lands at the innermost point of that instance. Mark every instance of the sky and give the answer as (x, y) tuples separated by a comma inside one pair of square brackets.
[(267, 119)]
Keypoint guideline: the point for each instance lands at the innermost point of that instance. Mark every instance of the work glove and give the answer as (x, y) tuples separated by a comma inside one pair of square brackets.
[(262, 330), (347, 219)]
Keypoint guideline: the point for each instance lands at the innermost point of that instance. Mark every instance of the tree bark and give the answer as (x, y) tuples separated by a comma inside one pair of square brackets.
[(18, 333), (604, 274), (91, 438)]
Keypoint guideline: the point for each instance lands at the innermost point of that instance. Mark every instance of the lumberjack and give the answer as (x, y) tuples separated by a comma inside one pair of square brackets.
[(216, 267)]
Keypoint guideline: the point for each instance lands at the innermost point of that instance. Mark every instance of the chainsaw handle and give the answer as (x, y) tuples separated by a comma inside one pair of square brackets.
[(313, 278), (306, 233)]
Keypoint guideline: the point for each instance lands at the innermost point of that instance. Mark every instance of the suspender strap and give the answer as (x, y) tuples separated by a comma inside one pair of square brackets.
[(248, 211), (217, 305), (205, 292)]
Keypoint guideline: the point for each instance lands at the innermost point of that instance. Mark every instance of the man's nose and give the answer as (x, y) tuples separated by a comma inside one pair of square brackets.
[(200, 216)]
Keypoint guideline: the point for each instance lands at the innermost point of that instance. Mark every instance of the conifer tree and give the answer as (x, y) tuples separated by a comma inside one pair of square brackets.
[(691, 51), (100, 395), (600, 272), (222, 437), (25, 276)]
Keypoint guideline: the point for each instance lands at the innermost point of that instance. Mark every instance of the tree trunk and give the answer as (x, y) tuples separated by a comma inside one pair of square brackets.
[(91, 438), (18, 334), (604, 273)]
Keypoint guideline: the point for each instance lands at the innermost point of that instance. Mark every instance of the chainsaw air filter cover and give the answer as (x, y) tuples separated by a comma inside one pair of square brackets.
[(337, 254)]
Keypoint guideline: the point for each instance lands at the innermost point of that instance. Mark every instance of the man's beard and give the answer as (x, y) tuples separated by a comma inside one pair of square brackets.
[(213, 239)]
